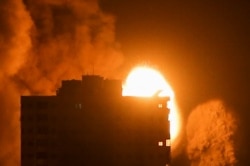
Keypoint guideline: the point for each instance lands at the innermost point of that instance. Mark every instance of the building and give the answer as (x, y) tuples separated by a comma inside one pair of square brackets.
[(89, 123)]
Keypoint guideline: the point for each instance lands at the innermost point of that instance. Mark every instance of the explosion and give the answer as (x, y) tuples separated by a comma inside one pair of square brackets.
[(146, 82), (41, 43), (210, 134)]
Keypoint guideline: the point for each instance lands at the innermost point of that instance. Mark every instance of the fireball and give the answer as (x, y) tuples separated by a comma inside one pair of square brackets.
[(147, 82)]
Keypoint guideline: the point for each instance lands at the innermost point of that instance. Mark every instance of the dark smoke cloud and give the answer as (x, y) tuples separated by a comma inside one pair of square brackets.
[(14, 38), (41, 43), (15, 42), (210, 131)]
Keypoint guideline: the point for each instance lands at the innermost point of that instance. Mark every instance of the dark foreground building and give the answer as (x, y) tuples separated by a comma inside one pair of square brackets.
[(89, 123)]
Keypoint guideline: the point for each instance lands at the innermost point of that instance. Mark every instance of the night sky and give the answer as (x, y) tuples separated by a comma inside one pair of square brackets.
[(202, 47)]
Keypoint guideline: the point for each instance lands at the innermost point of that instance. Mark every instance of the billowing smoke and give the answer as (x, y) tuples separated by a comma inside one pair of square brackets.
[(41, 43), (210, 131)]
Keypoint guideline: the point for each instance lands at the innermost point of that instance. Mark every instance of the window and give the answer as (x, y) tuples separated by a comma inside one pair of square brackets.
[(160, 143), (42, 105), (29, 155), (30, 143), (78, 106), (42, 130), (168, 142), (42, 117), (42, 142), (27, 105), (159, 105), (41, 155)]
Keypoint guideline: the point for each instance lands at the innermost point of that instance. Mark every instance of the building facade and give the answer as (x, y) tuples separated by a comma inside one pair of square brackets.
[(88, 123)]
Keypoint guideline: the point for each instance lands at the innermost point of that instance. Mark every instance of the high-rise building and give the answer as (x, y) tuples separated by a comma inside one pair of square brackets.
[(89, 123)]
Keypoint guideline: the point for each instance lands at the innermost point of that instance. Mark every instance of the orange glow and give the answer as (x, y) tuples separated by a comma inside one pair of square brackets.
[(146, 82)]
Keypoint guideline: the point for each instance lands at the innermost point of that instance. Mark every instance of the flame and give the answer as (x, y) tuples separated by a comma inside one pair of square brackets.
[(144, 81)]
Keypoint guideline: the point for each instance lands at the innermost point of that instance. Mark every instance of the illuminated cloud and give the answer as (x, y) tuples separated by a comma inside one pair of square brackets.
[(15, 24), (210, 134)]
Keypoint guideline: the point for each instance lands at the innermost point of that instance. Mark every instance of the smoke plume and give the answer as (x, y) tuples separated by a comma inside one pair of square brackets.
[(41, 43), (210, 131)]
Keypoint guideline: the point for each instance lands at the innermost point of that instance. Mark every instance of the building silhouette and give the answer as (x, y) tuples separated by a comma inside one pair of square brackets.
[(89, 123)]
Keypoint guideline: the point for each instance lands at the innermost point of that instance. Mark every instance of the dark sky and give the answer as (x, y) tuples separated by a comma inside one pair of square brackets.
[(202, 47)]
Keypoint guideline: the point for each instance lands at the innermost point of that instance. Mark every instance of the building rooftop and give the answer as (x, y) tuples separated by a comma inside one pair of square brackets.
[(89, 122)]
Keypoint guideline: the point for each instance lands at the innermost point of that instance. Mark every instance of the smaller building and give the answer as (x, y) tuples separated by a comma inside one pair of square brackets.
[(89, 123)]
